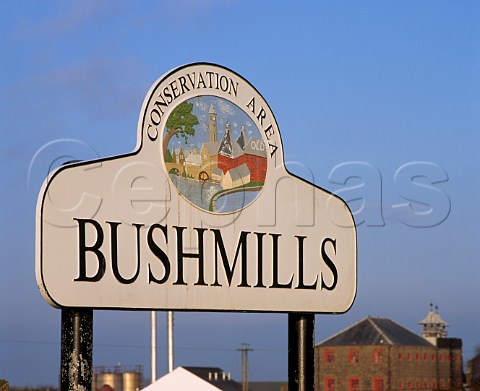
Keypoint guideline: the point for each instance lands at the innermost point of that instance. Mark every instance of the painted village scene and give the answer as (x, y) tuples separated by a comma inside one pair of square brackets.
[(214, 154)]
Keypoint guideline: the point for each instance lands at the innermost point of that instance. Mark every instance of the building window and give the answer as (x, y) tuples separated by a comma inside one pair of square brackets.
[(400, 385), (409, 385), (354, 385), (425, 357), (434, 357), (329, 356), (378, 385), (378, 356), (434, 384), (408, 356), (441, 357), (417, 357), (442, 384), (425, 385), (353, 357), (329, 384), (417, 385), (399, 356)]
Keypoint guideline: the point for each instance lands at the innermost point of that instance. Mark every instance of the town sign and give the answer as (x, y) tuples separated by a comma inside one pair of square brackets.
[(203, 215)]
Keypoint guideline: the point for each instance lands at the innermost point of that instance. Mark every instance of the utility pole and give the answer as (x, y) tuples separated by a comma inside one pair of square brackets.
[(245, 349), (153, 346), (170, 340)]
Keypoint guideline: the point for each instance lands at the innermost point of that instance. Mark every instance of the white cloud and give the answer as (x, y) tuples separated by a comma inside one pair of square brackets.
[(202, 106), (203, 126), (224, 107)]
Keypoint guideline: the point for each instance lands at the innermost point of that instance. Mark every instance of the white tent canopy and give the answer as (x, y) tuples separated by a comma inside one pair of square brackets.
[(180, 379)]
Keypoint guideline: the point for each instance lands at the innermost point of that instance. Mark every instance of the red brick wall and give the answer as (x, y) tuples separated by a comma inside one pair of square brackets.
[(257, 166), (225, 163), (400, 367)]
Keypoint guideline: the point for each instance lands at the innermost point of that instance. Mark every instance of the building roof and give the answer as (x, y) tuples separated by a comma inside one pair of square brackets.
[(256, 147), (267, 385), (433, 318), (217, 171), (239, 172), (375, 331), (212, 109), (216, 377), (212, 147), (242, 139), (228, 146)]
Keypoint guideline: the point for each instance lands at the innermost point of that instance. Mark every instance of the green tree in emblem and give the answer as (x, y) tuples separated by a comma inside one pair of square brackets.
[(179, 123), (168, 156)]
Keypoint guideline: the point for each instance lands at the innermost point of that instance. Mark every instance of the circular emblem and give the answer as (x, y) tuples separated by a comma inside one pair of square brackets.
[(214, 154)]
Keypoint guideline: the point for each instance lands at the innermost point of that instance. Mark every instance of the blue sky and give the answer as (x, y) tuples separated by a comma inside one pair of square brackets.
[(377, 100)]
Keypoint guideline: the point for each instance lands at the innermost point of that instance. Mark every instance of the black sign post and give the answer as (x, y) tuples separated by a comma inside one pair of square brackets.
[(76, 350), (301, 353)]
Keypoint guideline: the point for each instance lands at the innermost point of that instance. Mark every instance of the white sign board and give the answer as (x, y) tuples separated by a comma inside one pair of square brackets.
[(203, 215)]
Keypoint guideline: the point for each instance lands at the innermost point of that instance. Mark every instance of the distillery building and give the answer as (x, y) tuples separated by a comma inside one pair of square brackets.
[(380, 354)]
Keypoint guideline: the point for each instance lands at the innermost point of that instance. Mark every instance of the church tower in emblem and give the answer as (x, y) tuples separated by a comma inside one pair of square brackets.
[(212, 127)]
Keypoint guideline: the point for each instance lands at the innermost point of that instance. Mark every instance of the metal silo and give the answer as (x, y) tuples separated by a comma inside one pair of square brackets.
[(113, 379), (132, 380)]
